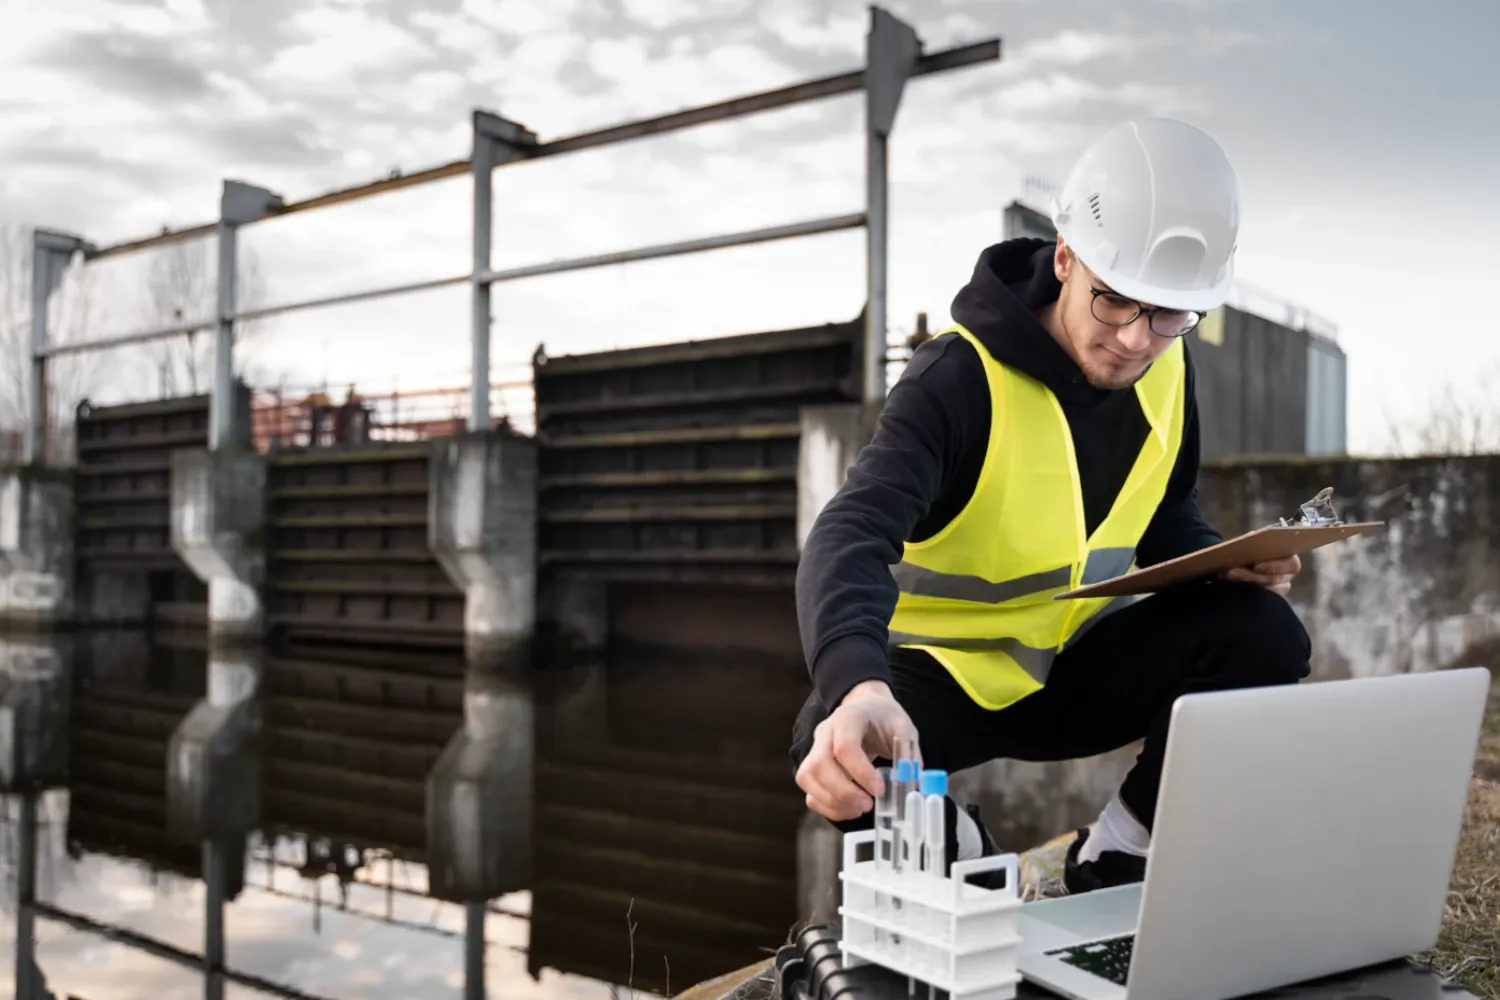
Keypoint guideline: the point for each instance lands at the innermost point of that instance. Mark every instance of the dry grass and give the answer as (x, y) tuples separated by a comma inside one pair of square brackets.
[(1469, 949)]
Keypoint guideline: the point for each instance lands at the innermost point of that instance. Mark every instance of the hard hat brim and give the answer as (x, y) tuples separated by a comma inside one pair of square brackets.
[(1196, 300)]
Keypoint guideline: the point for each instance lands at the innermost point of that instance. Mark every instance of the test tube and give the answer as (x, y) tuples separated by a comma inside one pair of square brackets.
[(934, 825), (935, 841), (885, 835), (904, 778)]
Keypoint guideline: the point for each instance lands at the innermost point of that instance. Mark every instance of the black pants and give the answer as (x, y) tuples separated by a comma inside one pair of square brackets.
[(1114, 686)]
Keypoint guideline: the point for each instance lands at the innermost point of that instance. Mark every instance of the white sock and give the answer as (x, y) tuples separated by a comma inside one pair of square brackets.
[(969, 843), (1117, 830)]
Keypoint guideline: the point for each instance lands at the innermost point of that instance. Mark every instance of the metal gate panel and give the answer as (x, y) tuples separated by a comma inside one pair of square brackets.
[(679, 462), (123, 484), (127, 570), (347, 551)]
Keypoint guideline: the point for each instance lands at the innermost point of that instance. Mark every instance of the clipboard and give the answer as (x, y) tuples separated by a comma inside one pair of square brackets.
[(1282, 540)]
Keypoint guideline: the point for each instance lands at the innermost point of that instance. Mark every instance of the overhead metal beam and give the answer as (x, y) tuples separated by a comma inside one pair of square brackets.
[(770, 100), (348, 298), (129, 339), (813, 227)]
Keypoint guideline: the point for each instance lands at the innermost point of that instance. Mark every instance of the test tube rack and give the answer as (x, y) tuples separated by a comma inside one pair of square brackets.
[(945, 933)]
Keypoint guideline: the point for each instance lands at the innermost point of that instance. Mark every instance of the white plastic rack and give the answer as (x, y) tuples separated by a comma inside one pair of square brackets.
[(939, 931)]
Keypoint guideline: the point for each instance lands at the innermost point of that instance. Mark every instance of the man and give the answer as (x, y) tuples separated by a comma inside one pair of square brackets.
[(1049, 440)]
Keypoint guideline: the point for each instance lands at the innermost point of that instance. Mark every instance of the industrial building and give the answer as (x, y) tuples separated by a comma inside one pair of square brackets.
[(1271, 377)]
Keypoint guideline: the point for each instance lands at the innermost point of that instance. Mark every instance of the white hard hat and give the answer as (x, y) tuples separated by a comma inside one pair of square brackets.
[(1153, 208)]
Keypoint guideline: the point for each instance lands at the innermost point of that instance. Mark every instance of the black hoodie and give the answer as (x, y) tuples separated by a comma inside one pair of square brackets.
[(920, 468)]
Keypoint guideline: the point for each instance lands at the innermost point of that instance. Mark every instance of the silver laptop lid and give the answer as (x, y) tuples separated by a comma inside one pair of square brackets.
[(1305, 830)]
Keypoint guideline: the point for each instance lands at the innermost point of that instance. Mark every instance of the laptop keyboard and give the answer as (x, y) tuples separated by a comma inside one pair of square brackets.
[(1108, 959)]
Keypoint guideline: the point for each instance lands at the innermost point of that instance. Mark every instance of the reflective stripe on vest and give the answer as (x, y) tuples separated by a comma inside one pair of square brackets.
[(1036, 662), (1102, 564), (979, 595)]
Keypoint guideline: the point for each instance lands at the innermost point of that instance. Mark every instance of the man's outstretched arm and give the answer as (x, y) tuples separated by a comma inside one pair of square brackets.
[(845, 592)]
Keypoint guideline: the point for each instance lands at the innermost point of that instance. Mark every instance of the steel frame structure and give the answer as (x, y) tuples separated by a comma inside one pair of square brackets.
[(893, 55)]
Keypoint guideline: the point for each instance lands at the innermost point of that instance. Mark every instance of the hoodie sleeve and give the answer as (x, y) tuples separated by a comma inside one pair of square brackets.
[(1179, 526), (845, 592)]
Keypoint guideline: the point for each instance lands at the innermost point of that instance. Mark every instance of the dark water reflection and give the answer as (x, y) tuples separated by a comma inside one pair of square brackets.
[(664, 829)]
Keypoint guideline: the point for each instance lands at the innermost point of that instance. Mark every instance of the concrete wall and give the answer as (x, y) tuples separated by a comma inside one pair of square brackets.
[(1422, 594)]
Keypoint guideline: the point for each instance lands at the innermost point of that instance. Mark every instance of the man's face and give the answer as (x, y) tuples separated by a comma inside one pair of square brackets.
[(1111, 357)]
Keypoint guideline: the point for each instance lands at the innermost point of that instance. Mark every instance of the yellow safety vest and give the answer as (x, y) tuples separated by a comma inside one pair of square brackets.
[(978, 595)]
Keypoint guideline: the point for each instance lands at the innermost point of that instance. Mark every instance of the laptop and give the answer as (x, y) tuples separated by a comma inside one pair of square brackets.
[(1301, 831)]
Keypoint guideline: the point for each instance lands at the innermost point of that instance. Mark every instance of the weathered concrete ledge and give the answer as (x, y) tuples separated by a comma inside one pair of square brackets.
[(36, 548), (1417, 595), (832, 437), (36, 680), (479, 796), (213, 759), (482, 530), (218, 528)]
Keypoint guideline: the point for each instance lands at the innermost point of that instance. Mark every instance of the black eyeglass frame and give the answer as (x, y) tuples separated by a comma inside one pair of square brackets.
[(1150, 311)]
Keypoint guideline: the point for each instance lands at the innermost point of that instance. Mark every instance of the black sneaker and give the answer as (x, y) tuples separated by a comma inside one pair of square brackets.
[(993, 879), (1111, 869)]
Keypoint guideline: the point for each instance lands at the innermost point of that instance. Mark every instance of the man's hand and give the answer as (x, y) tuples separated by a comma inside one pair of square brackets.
[(838, 774), (1274, 575)]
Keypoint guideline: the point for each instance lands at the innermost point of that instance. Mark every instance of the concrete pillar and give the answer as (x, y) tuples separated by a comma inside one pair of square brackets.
[(572, 616), (820, 857), (35, 687), (36, 678), (479, 795), (482, 530), (218, 526), (213, 759), (832, 436), (36, 548)]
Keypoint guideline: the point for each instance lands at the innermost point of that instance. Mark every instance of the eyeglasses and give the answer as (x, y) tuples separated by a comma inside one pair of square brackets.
[(1113, 309)]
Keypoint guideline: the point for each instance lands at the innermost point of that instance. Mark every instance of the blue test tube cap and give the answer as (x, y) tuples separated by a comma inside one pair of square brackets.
[(934, 782), (904, 770)]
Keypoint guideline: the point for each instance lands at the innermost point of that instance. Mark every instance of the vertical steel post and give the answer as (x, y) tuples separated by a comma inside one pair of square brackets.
[(36, 429), (239, 203), (26, 899), (474, 914), (496, 140), (891, 48), (877, 200), (50, 254), (213, 921), (483, 169), (221, 387)]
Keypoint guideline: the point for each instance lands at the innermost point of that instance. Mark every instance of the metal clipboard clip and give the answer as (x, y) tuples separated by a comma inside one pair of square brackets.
[(1317, 512)]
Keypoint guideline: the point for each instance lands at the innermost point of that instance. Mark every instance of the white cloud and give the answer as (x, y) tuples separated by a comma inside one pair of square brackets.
[(657, 15), (840, 35), (520, 18), (338, 42), (457, 32)]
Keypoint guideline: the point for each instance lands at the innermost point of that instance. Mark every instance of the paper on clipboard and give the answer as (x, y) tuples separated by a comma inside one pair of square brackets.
[(1276, 541)]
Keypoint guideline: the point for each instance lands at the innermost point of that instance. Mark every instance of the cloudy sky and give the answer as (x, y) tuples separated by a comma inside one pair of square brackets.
[(1358, 127)]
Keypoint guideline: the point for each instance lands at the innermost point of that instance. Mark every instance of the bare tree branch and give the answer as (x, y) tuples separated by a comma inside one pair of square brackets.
[(74, 313), (1458, 419), (181, 285)]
